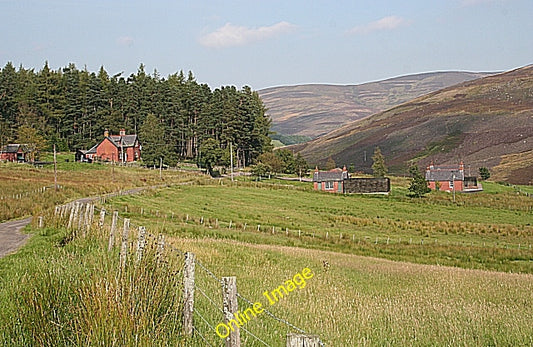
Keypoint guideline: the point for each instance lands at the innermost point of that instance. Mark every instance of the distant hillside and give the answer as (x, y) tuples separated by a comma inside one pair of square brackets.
[(486, 122), (316, 109)]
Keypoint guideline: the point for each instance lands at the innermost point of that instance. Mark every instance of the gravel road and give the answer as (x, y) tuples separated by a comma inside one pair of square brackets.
[(10, 236)]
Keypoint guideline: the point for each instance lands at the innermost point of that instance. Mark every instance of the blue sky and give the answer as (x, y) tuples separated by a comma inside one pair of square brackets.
[(269, 43)]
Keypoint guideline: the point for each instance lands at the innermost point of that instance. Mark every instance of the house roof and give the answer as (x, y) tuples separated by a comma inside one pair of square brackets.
[(332, 175), (11, 148), (445, 174), (123, 140), (92, 150)]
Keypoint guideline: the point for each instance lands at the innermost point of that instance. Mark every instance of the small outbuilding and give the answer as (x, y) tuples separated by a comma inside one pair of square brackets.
[(330, 181), (14, 152), (339, 181)]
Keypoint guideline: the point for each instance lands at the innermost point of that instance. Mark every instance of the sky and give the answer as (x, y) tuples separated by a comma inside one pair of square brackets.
[(269, 43)]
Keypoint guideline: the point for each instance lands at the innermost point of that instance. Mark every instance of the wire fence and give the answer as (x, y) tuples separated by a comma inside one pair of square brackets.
[(425, 229), (27, 193), (208, 302)]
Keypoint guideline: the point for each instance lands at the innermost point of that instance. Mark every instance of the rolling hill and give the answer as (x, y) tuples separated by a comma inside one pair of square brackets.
[(485, 122), (316, 109)]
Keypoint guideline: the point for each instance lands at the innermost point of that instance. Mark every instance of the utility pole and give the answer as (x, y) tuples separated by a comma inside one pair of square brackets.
[(113, 166), (453, 180), (160, 168), (55, 168), (231, 159)]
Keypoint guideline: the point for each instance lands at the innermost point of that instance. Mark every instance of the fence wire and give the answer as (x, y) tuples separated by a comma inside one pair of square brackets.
[(210, 276)]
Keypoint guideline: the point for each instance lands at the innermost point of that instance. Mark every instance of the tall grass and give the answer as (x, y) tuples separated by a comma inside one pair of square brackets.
[(76, 180), (71, 292), (368, 301)]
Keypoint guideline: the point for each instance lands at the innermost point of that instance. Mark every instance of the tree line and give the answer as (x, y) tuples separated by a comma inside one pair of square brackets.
[(173, 116)]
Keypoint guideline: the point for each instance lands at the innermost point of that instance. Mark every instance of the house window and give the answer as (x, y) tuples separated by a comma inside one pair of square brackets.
[(329, 185)]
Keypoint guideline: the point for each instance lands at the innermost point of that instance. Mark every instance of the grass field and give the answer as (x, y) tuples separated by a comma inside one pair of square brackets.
[(370, 301), (75, 179), (430, 231), (386, 282)]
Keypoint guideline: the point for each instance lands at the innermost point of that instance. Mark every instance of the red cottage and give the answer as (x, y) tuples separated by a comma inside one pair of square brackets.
[(330, 181), (122, 148), (450, 178), (13, 152)]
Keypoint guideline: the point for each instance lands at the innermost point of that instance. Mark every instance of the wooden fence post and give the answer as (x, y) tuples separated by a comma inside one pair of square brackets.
[(124, 247), (102, 218), (86, 220), (229, 296), (141, 242), (91, 216), (188, 293), (113, 231), (72, 215), (160, 246), (301, 340), (40, 222), (80, 217)]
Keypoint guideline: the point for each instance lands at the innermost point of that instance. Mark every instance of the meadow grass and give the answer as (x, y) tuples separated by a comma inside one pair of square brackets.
[(464, 235), (70, 291), (76, 180), (368, 301), (64, 291)]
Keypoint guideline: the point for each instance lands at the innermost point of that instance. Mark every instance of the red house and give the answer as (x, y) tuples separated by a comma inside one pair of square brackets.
[(450, 178), (13, 152), (330, 181), (122, 148)]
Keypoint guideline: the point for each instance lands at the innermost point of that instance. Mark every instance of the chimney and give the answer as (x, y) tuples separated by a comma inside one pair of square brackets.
[(122, 132), (106, 133)]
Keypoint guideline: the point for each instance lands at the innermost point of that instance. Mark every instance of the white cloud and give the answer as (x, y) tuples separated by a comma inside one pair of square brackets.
[(385, 23), (125, 41), (232, 35)]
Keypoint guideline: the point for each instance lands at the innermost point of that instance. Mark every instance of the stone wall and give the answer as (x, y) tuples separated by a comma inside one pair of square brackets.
[(367, 185)]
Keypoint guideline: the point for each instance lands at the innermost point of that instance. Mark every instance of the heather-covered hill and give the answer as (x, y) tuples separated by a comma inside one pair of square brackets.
[(485, 122), (316, 109)]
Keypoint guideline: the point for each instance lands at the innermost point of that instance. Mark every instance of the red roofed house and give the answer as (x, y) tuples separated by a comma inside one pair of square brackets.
[(122, 148)]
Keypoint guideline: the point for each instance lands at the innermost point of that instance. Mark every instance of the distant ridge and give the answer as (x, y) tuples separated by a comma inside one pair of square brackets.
[(484, 122), (312, 110)]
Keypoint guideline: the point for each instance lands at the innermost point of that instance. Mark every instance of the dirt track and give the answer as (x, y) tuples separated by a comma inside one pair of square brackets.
[(10, 236), (11, 239)]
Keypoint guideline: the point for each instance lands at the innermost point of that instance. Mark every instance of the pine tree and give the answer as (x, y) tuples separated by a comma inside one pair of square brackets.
[(378, 166), (419, 186), (484, 173), (154, 143)]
